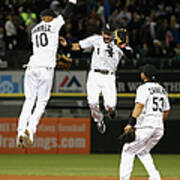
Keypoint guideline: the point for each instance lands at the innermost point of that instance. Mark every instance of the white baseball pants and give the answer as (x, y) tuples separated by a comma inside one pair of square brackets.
[(37, 88), (146, 139), (105, 83)]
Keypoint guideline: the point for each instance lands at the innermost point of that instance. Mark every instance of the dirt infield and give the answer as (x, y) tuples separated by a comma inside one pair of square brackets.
[(11, 177)]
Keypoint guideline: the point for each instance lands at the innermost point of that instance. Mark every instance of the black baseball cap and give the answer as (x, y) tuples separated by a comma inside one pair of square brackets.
[(107, 28), (47, 12), (149, 70)]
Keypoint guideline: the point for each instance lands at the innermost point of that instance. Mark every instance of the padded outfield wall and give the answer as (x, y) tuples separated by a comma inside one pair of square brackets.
[(79, 136)]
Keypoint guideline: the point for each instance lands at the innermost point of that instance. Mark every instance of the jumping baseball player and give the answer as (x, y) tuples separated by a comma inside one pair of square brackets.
[(151, 109), (101, 78), (40, 71)]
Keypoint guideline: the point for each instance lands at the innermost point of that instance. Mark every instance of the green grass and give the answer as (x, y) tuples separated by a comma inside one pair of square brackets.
[(81, 165)]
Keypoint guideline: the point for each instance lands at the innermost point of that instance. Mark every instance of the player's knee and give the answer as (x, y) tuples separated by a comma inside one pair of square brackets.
[(30, 101), (41, 104)]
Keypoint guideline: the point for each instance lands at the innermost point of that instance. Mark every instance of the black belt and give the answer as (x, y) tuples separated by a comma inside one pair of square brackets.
[(102, 71)]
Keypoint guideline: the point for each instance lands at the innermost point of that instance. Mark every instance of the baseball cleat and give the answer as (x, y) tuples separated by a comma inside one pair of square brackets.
[(101, 126), (112, 114), (29, 138), (20, 142)]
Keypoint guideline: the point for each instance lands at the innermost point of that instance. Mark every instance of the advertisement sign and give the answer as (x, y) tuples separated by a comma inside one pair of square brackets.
[(74, 135), (64, 82), (127, 82), (8, 136), (75, 81), (54, 135), (11, 81), (70, 82)]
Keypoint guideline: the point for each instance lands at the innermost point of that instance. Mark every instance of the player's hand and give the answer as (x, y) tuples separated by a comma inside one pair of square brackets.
[(63, 41), (127, 128), (123, 45)]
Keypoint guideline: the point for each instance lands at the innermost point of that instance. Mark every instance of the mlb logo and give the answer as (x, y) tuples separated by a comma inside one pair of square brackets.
[(72, 82)]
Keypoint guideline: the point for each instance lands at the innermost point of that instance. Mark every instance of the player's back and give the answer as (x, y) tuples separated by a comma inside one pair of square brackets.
[(155, 100), (44, 37)]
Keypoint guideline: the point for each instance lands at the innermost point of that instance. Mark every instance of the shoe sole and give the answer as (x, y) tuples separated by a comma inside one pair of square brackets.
[(20, 143), (102, 129), (29, 141)]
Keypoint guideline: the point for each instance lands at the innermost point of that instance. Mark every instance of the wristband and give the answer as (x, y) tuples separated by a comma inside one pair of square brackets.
[(132, 121)]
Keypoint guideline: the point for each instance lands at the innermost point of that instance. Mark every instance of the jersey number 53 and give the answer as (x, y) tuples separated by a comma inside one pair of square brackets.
[(158, 103)]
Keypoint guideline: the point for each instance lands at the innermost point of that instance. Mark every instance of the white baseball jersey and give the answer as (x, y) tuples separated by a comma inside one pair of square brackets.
[(45, 41), (106, 56), (155, 100)]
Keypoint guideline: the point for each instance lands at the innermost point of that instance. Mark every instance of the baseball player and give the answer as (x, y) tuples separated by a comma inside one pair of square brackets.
[(40, 71), (151, 109), (101, 78)]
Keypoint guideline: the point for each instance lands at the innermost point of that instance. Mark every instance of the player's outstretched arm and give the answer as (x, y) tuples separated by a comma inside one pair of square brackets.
[(73, 46), (69, 8)]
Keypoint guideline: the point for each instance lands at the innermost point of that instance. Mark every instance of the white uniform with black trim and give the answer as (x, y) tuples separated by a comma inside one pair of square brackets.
[(106, 56), (155, 100), (149, 129), (39, 73)]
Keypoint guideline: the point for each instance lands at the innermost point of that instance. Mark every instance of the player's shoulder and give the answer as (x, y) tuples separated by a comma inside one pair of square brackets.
[(35, 26), (152, 86), (141, 87), (163, 89), (57, 22), (93, 38), (144, 86), (59, 17), (96, 37)]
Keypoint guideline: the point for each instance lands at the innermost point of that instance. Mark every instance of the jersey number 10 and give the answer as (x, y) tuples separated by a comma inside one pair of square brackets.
[(41, 40)]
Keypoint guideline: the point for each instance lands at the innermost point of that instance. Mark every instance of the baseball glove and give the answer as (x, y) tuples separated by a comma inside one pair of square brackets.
[(64, 62), (128, 136), (120, 37)]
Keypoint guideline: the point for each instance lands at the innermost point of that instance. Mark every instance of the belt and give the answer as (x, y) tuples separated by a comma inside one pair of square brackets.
[(30, 67), (102, 71)]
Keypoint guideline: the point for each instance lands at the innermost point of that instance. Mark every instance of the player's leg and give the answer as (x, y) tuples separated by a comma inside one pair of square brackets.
[(110, 95), (148, 163), (93, 91), (44, 90), (126, 166), (30, 90), (132, 149), (146, 158)]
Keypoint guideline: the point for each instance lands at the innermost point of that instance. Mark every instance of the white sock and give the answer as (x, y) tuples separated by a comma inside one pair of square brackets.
[(148, 163)]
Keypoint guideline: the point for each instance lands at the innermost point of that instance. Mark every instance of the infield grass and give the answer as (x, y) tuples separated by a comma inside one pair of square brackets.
[(81, 165)]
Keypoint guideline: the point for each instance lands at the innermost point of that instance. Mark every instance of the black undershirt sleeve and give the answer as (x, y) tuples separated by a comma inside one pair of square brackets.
[(67, 10)]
